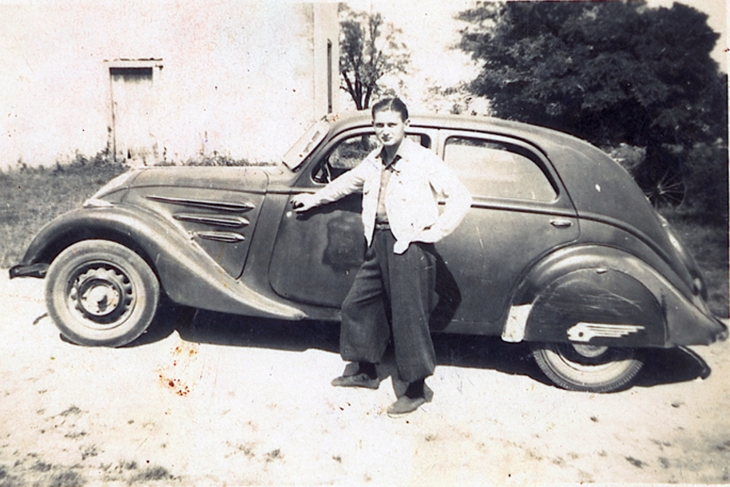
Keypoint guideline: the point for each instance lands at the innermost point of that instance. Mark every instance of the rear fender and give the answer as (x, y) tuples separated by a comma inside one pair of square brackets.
[(600, 306), (187, 273), (604, 296)]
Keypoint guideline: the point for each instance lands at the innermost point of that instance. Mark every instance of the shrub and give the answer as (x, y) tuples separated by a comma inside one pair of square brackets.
[(707, 182)]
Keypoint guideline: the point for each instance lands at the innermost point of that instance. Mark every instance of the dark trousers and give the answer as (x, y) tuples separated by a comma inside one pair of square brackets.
[(392, 298)]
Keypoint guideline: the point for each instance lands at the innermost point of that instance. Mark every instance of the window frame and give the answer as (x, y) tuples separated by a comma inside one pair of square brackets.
[(332, 144), (524, 149)]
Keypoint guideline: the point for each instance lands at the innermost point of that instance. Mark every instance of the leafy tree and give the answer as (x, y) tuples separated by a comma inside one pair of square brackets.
[(369, 51), (453, 99), (609, 72)]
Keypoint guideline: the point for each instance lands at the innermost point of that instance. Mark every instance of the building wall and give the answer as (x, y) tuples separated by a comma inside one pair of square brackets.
[(240, 79)]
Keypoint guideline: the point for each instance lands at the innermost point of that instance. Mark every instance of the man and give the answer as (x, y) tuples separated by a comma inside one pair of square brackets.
[(393, 292)]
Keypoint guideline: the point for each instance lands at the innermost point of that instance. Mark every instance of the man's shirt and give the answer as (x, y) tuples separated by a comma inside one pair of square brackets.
[(411, 197), (381, 215)]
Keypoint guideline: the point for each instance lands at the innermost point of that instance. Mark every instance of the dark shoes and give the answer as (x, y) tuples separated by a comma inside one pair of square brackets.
[(415, 394), (364, 374), (357, 380), (405, 405)]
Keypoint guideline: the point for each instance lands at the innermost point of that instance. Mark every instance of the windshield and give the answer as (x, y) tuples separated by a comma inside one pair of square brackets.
[(306, 143)]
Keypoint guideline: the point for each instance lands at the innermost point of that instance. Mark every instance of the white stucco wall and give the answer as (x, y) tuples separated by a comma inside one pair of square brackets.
[(243, 79)]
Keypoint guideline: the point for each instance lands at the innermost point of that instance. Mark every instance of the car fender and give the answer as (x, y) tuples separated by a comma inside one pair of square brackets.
[(187, 274), (604, 296)]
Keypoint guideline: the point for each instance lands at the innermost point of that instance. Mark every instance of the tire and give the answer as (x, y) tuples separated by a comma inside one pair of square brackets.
[(590, 368), (101, 293)]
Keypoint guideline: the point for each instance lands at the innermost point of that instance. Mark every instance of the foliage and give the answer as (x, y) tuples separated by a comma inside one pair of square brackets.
[(67, 478), (609, 72), (453, 99), (369, 51), (216, 160), (630, 157), (31, 197), (151, 474), (707, 188)]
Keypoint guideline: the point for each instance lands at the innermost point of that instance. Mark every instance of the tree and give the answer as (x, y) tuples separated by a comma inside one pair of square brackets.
[(609, 72), (369, 51), (453, 99)]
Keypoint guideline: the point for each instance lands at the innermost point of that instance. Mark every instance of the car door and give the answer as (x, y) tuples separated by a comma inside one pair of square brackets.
[(520, 212), (317, 253)]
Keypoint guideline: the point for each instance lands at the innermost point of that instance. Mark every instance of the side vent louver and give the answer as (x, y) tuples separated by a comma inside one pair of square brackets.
[(208, 205), (226, 237), (221, 221), (215, 220)]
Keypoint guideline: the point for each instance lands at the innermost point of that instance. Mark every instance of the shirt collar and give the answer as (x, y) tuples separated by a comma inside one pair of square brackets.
[(403, 152)]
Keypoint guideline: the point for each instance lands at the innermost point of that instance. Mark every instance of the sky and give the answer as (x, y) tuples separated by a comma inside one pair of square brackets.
[(430, 31)]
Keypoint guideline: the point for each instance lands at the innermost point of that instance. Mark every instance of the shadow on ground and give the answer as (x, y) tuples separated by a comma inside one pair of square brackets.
[(663, 366)]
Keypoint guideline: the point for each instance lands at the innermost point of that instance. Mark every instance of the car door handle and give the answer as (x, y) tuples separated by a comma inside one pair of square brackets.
[(561, 223)]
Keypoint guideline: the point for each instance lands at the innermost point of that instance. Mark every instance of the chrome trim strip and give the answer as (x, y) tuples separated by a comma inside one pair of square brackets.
[(225, 237), (584, 332), (207, 204), (222, 221)]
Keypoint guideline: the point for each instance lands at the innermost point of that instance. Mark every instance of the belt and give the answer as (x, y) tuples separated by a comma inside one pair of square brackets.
[(382, 226)]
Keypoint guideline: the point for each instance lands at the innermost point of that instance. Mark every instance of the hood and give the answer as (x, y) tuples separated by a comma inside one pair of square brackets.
[(250, 179)]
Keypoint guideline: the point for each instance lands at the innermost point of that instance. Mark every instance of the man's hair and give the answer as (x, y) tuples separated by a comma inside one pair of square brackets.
[(391, 104)]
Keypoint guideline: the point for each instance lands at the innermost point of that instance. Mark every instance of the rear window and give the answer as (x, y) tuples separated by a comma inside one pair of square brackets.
[(497, 169)]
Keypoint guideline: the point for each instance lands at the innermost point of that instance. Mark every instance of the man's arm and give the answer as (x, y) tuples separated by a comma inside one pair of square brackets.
[(457, 202), (348, 183)]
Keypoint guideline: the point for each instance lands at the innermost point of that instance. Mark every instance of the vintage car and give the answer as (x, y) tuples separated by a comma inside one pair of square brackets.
[(560, 248)]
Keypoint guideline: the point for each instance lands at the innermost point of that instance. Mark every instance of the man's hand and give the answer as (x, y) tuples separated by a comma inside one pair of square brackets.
[(303, 202)]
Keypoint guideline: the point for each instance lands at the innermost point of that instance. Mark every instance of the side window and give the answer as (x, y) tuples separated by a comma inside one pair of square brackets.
[(350, 152), (498, 170)]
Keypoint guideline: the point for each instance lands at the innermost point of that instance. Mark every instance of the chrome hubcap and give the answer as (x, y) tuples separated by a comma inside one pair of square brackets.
[(590, 351), (101, 295)]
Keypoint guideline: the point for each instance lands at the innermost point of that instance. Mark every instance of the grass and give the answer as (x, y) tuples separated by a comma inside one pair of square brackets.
[(150, 474), (69, 478), (707, 241), (30, 198)]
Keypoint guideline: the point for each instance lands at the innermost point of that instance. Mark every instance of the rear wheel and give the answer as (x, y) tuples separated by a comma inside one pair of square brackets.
[(591, 368), (101, 293)]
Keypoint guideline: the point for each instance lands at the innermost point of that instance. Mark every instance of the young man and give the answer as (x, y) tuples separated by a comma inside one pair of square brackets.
[(393, 292)]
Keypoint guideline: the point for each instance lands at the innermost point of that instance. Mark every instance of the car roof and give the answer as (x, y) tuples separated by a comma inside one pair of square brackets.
[(541, 137)]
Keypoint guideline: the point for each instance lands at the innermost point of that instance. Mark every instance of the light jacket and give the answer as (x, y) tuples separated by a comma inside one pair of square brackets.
[(419, 179)]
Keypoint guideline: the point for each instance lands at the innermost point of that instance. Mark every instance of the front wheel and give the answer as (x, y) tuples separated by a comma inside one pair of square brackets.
[(101, 293), (591, 368)]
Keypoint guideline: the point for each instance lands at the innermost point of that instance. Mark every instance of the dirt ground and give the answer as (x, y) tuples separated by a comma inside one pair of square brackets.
[(210, 399)]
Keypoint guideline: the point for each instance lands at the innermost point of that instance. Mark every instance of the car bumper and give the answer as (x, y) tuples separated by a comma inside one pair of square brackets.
[(29, 270)]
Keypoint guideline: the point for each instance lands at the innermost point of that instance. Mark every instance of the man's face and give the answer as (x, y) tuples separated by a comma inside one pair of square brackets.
[(390, 129)]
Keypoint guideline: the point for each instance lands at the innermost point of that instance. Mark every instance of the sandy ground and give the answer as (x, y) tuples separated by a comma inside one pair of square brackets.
[(209, 399)]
